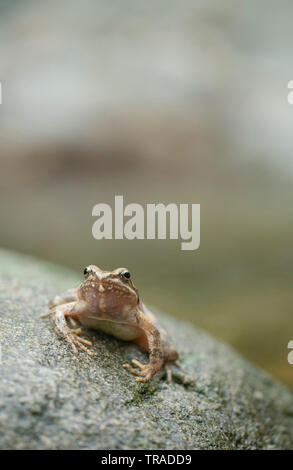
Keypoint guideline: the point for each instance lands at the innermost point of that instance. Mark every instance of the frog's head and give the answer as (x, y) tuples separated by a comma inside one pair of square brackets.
[(115, 288)]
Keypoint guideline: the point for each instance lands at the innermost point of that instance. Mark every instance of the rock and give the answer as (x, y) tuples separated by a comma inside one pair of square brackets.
[(52, 399)]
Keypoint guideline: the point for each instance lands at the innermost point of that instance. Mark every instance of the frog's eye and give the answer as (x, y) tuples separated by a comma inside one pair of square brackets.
[(126, 275), (86, 271)]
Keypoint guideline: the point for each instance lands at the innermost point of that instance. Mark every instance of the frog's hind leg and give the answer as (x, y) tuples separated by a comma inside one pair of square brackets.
[(170, 355), (69, 296), (171, 358), (71, 336)]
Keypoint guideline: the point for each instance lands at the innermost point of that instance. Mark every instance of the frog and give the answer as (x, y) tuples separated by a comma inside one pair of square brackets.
[(109, 301)]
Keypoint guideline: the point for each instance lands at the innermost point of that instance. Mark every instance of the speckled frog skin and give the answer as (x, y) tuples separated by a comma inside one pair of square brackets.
[(109, 301)]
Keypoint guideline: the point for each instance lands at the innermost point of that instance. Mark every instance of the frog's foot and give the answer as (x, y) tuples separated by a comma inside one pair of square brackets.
[(169, 371), (182, 376), (57, 300), (183, 371), (44, 315), (71, 336), (145, 373), (68, 296)]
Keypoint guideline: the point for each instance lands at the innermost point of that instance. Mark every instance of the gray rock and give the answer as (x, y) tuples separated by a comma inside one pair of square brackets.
[(52, 399)]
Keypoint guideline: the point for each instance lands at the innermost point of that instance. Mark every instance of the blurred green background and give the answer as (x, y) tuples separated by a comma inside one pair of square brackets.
[(161, 102)]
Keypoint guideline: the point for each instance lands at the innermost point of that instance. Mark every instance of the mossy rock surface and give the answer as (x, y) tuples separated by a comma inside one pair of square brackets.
[(52, 399)]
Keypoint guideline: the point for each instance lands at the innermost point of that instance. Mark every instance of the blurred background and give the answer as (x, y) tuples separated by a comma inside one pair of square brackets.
[(160, 101)]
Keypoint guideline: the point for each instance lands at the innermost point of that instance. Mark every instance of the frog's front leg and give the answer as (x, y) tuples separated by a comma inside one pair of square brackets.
[(58, 317), (155, 347)]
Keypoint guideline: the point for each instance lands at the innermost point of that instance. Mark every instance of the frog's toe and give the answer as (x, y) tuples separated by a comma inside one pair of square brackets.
[(143, 375), (146, 375), (180, 367), (147, 378), (139, 364), (78, 342), (133, 371), (76, 331), (168, 373)]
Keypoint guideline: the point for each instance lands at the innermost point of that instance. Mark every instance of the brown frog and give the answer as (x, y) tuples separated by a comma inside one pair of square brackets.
[(109, 301)]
